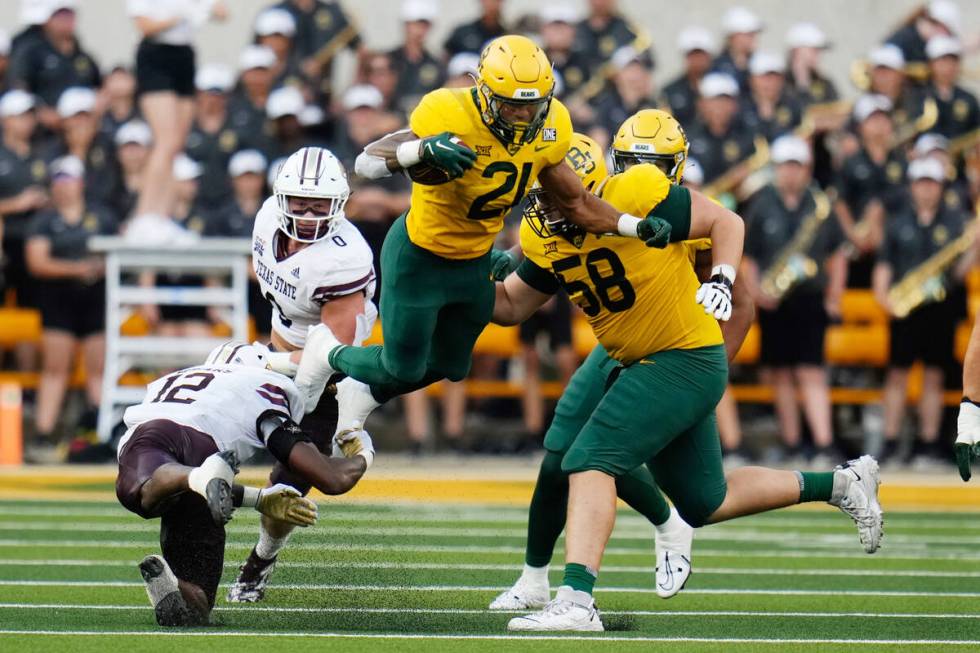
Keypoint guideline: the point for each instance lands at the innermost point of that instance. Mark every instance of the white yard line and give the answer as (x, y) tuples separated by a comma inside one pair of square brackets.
[(558, 638)]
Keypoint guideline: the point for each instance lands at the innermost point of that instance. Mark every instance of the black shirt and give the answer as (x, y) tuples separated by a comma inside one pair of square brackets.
[(718, 154), (819, 90), (910, 43), (471, 37), (786, 117), (229, 221), (958, 114), (103, 178), (725, 63), (682, 99), (324, 25), (16, 174), (771, 225), (70, 241), (43, 70), (415, 78), (909, 243), (862, 180), (213, 151), (611, 111), (600, 44)]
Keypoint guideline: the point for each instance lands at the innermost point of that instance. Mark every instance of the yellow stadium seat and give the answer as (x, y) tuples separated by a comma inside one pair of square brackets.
[(751, 347), (19, 325), (857, 345), (583, 339), (498, 341), (860, 306)]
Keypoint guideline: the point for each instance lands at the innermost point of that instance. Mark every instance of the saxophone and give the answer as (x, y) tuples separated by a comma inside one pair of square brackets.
[(926, 283), (792, 267), (728, 180)]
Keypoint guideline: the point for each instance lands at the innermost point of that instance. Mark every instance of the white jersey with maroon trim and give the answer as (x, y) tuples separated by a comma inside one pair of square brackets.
[(298, 285), (224, 401)]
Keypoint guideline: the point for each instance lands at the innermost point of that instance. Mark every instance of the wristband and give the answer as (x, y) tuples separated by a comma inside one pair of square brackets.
[(251, 497), (408, 155), (724, 270), (282, 362), (627, 225)]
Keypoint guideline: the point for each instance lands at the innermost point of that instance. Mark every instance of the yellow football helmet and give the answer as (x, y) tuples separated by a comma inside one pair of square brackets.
[(651, 136), (588, 161), (514, 73)]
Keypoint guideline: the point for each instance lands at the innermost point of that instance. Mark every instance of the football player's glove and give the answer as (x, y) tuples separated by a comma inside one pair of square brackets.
[(716, 296), (354, 442), (448, 153), (502, 263), (654, 231), (967, 437), (284, 503)]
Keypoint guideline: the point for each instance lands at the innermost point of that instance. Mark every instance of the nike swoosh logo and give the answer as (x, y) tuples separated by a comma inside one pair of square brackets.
[(670, 575), (543, 147), (440, 145)]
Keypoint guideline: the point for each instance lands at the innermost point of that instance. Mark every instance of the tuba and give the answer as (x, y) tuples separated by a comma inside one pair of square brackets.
[(793, 266)]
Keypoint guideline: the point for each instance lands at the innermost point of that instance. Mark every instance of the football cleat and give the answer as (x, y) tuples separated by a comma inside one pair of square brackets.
[(213, 480), (165, 597), (570, 610), (856, 494), (252, 579), (354, 403), (314, 368), (673, 556), (525, 594)]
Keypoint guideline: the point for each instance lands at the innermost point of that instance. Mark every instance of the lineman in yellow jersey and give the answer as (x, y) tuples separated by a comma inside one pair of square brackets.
[(488, 145), (662, 370)]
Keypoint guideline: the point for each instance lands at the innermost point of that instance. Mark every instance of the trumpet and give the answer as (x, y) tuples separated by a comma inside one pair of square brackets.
[(793, 266)]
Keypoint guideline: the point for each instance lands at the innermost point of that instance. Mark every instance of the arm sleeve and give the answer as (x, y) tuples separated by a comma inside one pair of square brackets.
[(675, 209), (537, 277)]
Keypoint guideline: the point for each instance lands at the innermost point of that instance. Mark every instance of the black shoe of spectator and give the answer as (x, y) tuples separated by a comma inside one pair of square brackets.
[(889, 453)]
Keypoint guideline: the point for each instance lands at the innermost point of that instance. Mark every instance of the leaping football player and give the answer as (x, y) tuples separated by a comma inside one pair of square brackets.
[(649, 136), (314, 267), (179, 457), (663, 367), (473, 154)]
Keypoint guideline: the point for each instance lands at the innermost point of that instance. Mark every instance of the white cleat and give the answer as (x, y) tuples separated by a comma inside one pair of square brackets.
[(673, 555), (856, 494), (526, 594), (314, 369), (354, 403), (570, 610)]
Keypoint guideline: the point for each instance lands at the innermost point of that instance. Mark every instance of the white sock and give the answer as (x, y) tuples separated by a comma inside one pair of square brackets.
[(673, 521), (536, 574), (269, 546)]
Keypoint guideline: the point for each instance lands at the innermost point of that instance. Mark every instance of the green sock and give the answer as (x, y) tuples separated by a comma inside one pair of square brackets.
[(579, 577), (546, 517), (639, 490), (815, 486)]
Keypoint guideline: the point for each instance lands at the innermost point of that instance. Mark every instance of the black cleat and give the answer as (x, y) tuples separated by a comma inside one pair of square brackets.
[(252, 579)]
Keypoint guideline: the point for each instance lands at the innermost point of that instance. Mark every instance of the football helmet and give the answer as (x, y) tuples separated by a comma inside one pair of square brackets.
[(651, 136), (239, 353), (588, 161), (313, 173), (514, 71)]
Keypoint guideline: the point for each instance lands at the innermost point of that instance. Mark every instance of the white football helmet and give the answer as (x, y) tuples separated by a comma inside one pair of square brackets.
[(239, 353), (313, 173)]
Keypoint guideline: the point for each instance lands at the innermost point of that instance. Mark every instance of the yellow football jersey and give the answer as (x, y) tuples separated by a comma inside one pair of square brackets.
[(638, 300), (459, 219)]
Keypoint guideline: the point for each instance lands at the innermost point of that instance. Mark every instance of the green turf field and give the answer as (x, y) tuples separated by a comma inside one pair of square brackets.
[(418, 577)]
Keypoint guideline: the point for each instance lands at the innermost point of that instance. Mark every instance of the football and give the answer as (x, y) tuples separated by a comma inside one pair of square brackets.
[(430, 175)]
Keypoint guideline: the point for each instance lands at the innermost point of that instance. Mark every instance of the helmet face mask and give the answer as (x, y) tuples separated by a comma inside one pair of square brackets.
[(311, 192), (512, 132), (543, 215), (651, 136), (672, 165), (514, 87)]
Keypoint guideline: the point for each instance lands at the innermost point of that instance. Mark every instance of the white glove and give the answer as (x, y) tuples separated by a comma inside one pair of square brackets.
[(354, 442), (716, 296), (285, 503), (967, 445), (314, 371)]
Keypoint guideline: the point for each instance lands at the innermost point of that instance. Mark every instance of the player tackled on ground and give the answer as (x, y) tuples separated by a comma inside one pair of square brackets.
[(179, 457)]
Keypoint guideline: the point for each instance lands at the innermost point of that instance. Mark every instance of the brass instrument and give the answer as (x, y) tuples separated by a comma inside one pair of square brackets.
[(793, 266), (925, 283), (597, 82), (728, 180), (963, 143), (922, 123)]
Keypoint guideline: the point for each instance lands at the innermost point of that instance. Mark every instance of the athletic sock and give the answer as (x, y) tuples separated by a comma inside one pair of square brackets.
[(641, 493), (537, 575), (579, 577), (268, 546), (815, 486), (670, 524), (546, 516)]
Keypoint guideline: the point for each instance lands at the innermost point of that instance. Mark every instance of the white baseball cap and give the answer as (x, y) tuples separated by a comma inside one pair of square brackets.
[(943, 46), (33, 12), (869, 104), (930, 143), (945, 12), (558, 13), (927, 168), (739, 20), (16, 102), (134, 131), (284, 101), (75, 100), (362, 95), (717, 85), (256, 56), (693, 172), (214, 78), (806, 35), (789, 148), (888, 55), (48, 8), (246, 161), (4, 42), (67, 166), (764, 62), (414, 10), (275, 21), (186, 168), (695, 37), (463, 63)]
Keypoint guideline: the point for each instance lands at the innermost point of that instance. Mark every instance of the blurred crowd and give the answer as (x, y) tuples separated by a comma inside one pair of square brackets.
[(863, 191)]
